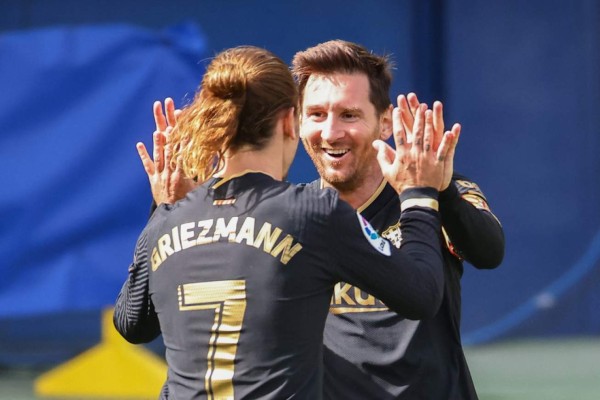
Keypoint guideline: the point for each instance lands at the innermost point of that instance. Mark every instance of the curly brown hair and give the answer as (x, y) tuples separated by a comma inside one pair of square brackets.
[(242, 92)]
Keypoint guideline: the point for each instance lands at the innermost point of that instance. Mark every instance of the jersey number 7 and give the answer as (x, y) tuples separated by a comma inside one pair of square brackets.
[(228, 300)]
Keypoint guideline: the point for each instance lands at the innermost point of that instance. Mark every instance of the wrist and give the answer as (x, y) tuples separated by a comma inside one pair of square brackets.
[(419, 196)]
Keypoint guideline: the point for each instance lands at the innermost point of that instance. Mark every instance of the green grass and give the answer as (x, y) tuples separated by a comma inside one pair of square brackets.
[(537, 369), (565, 369)]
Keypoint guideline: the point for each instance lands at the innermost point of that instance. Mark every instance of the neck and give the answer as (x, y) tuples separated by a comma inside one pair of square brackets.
[(358, 193), (266, 160)]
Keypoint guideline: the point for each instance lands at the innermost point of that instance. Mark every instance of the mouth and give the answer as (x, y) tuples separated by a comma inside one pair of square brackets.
[(336, 153)]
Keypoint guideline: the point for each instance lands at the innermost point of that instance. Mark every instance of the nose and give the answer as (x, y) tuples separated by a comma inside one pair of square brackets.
[(331, 130)]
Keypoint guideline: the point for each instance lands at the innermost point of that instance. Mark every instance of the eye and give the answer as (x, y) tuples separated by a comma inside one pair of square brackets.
[(316, 115), (349, 116)]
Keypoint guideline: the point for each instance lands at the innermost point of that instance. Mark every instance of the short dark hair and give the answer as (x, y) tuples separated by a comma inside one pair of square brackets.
[(340, 56)]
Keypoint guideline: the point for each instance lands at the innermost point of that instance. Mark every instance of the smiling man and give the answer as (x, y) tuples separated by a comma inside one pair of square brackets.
[(370, 351), (339, 123)]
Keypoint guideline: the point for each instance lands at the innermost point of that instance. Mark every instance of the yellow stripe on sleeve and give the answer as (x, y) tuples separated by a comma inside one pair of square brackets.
[(420, 202)]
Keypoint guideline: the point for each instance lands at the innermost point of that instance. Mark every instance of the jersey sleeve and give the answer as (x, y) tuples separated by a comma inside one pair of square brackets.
[(408, 280), (134, 317), (475, 233)]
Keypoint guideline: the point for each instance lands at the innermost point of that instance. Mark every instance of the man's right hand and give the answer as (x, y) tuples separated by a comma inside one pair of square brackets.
[(167, 182)]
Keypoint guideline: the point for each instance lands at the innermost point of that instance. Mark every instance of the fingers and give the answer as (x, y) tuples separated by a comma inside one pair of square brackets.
[(159, 117), (413, 102), (400, 138), (418, 128), (168, 151), (438, 124), (448, 145), (145, 157), (166, 118), (442, 152), (412, 106), (159, 141), (170, 111), (176, 154), (428, 135), (456, 128), (406, 114)]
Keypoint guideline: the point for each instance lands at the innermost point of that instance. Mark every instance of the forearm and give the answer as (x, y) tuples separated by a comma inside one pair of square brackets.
[(408, 280), (134, 317), (421, 248)]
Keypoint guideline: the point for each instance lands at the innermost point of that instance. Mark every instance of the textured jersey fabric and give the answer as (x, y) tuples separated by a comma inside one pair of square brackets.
[(238, 278), (372, 352)]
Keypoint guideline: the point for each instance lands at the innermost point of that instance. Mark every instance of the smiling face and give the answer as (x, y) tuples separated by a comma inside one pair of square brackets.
[(338, 126)]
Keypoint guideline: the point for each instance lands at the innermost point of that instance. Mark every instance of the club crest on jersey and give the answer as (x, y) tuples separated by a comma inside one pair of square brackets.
[(394, 235), (379, 243)]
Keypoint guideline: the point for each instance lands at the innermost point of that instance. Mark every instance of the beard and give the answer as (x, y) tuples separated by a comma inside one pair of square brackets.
[(342, 180)]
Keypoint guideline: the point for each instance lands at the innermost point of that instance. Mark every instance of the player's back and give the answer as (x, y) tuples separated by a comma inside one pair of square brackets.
[(241, 280)]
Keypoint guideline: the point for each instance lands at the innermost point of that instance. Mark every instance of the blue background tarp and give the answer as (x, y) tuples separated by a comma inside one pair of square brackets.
[(76, 100)]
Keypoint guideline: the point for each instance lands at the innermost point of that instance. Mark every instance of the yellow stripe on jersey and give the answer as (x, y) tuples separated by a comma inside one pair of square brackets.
[(346, 310), (425, 202)]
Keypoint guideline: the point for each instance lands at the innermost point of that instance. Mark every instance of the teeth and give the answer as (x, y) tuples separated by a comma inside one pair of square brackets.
[(336, 152)]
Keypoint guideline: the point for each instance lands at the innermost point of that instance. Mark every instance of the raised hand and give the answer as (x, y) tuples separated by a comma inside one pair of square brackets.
[(167, 181), (408, 106), (416, 163)]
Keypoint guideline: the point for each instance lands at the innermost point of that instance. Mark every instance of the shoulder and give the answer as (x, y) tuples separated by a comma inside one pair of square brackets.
[(314, 195), (466, 185), (470, 191)]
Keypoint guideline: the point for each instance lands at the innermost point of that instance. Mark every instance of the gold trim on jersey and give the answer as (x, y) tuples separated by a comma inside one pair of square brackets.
[(373, 196), (346, 310), (370, 200), (425, 202), (228, 178)]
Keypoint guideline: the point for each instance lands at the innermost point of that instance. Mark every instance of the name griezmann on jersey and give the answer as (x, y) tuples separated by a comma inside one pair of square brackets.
[(209, 231)]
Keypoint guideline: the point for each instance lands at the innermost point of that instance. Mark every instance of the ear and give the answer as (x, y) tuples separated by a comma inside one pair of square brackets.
[(385, 123), (290, 124)]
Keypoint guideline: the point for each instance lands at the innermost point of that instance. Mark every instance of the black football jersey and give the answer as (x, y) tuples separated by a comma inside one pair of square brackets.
[(239, 275), (372, 352)]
